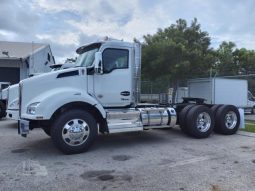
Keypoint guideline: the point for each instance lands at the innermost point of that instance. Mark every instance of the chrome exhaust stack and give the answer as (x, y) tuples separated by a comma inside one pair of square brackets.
[(136, 79)]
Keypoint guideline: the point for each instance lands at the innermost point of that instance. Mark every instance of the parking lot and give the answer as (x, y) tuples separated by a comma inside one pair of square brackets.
[(149, 160)]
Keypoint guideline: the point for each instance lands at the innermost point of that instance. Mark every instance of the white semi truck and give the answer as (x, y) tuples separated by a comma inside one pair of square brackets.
[(101, 94)]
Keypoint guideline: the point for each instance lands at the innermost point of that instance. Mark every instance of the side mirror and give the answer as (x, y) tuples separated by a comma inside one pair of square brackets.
[(98, 63)]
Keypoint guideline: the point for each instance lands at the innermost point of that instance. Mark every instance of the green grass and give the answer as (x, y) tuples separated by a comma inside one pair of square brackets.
[(249, 126)]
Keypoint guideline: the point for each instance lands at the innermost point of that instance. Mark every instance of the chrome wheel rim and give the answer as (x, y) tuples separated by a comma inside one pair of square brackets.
[(203, 122), (230, 120), (75, 132)]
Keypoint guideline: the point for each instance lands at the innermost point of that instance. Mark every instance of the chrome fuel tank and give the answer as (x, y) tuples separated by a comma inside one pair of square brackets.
[(158, 116), (125, 120)]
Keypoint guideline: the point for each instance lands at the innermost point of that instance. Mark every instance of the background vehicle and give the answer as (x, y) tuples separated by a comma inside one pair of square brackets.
[(250, 103), (222, 91), (101, 94), (21, 60), (3, 97), (13, 92), (56, 67)]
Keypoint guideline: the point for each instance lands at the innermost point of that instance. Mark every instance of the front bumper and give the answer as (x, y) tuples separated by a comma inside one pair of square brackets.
[(23, 127), (12, 114)]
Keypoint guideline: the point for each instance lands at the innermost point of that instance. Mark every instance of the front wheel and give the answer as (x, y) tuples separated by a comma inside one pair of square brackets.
[(47, 130), (74, 131)]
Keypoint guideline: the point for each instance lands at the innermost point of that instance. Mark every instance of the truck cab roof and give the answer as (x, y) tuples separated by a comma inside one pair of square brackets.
[(111, 42)]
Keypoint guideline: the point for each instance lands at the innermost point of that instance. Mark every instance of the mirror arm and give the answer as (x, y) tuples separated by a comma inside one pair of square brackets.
[(98, 63), (100, 67)]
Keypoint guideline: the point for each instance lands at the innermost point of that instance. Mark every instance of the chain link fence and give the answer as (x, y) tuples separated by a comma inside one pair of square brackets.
[(155, 91)]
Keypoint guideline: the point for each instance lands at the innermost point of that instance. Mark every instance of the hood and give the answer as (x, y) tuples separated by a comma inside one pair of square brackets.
[(13, 95), (37, 88)]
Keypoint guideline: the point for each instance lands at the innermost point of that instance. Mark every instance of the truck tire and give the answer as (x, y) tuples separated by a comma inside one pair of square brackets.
[(200, 121), (47, 130), (74, 131), (215, 108), (2, 110), (183, 116), (227, 120)]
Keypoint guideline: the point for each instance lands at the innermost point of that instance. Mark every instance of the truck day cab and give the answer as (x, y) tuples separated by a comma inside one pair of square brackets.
[(101, 94)]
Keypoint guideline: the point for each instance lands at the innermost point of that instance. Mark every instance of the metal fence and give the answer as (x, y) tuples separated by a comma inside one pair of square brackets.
[(155, 91)]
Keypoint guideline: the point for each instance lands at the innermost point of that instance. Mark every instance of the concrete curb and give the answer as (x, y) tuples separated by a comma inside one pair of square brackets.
[(249, 117), (244, 133)]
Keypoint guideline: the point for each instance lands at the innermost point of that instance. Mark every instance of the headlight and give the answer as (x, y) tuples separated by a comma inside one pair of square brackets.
[(14, 104), (31, 109)]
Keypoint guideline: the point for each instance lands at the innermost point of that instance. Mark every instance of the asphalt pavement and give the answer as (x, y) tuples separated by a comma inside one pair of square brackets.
[(162, 160)]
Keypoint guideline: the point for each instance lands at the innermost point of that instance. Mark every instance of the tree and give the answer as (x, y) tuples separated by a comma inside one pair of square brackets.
[(177, 53), (226, 63), (233, 61), (245, 61)]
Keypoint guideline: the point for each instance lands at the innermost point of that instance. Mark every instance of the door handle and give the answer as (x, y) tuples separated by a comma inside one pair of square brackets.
[(125, 93)]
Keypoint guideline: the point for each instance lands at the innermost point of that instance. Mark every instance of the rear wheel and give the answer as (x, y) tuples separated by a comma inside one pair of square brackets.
[(200, 121), (74, 131), (215, 108), (183, 117), (227, 120)]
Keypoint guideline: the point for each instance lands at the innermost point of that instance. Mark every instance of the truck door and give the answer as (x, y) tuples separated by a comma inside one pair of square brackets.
[(113, 87)]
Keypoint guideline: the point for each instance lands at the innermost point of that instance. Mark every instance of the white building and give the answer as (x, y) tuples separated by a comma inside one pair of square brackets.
[(19, 60)]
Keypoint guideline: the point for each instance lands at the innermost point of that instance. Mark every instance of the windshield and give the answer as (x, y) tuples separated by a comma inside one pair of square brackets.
[(87, 58)]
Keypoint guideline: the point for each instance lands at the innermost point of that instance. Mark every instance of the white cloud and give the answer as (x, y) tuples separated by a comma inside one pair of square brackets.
[(138, 22), (61, 39), (8, 35), (245, 41), (57, 6), (44, 36), (67, 24)]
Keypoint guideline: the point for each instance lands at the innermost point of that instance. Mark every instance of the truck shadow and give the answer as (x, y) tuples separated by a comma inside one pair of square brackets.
[(132, 139), (4, 123), (44, 146)]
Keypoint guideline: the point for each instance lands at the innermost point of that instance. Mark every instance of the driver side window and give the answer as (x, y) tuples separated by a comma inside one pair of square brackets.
[(115, 59)]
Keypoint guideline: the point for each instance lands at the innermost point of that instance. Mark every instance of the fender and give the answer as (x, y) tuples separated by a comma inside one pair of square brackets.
[(52, 100)]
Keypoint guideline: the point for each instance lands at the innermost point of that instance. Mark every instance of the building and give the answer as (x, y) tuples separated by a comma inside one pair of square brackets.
[(19, 60)]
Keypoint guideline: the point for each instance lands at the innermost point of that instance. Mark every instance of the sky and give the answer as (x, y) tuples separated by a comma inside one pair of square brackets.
[(68, 24)]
